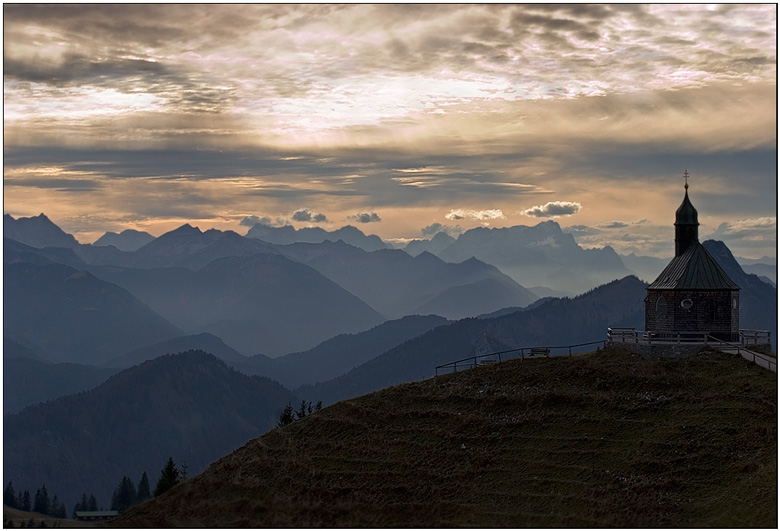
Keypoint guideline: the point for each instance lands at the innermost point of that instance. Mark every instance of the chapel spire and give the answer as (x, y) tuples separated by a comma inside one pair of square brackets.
[(686, 224)]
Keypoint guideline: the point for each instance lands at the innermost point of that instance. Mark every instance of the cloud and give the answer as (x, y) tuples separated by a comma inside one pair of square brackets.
[(747, 230), (435, 228), (553, 209), (251, 221), (304, 214), (621, 224), (481, 215), (365, 217), (581, 230)]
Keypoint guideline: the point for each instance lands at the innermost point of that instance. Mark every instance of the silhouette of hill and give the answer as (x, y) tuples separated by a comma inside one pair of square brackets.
[(13, 350), (288, 234), (645, 267), (397, 284), (127, 240), (265, 304), (556, 322), (15, 252), (539, 255), (757, 299), (28, 381), (70, 315), (339, 354), (190, 406), (205, 342), (37, 231), (435, 245), (595, 441), (188, 247)]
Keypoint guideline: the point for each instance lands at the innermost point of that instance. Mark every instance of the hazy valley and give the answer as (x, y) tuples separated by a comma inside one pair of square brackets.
[(122, 353)]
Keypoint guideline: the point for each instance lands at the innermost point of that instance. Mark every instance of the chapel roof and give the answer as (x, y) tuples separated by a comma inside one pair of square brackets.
[(694, 269)]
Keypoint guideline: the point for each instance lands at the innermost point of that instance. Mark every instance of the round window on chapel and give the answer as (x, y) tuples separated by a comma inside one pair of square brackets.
[(686, 304)]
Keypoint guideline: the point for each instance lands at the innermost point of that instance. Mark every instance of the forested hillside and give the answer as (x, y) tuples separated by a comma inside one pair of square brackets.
[(190, 406)]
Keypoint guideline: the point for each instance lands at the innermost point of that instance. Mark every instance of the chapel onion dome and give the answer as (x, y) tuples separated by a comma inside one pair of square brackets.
[(686, 214)]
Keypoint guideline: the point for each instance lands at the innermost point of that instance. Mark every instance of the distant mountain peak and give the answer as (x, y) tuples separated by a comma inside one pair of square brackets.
[(37, 231)]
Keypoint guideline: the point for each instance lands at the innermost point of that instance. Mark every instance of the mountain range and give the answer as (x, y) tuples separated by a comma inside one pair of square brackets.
[(557, 322), (288, 234), (190, 406), (65, 314), (127, 240), (539, 255), (258, 304), (397, 284)]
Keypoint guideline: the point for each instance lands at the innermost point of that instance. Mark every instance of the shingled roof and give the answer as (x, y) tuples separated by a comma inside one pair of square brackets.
[(694, 269)]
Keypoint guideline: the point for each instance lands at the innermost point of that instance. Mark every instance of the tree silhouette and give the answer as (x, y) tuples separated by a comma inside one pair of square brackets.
[(144, 492), (124, 495), (42, 504), (9, 496), (169, 476)]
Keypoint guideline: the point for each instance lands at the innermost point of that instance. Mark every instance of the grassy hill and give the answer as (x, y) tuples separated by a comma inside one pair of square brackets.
[(601, 440)]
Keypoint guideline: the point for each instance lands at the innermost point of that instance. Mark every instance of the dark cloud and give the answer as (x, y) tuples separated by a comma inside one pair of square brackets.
[(251, 221), (304, 214), (553, 209), (621, 224), (60, 185), (365, 217)]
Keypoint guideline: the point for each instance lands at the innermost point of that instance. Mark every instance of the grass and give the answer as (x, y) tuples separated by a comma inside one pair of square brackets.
[(603, 440)]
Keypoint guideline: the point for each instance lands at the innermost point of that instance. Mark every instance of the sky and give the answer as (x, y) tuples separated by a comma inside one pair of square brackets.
[(402, 120)]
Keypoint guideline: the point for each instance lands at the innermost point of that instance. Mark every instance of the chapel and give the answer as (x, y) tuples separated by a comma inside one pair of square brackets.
[(692, 296)]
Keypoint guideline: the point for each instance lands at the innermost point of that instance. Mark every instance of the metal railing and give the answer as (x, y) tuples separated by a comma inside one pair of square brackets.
[(498, 357), (762, 360)]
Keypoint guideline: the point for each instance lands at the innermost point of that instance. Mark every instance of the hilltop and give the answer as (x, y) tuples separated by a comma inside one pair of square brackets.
[(601, 440)]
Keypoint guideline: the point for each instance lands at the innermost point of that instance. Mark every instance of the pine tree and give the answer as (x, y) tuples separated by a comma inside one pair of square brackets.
[(9, 496), (144, 492), (57, 509), (124, 495), (169, 476), (301, 413), (24, 501), (42, 504), (92, 505), (286, 417)]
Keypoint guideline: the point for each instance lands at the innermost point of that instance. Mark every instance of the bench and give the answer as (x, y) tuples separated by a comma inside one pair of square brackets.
[(540, 351)]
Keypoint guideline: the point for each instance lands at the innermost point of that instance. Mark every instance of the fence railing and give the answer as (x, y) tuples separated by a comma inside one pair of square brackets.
[(522, 353), (631, 335), (760, 359)]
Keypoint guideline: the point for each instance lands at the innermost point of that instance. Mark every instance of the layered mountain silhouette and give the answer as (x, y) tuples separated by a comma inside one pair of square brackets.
[(205, 342), (397, 284), (558, 322), (338, 355), (16, 252), (542, 255), (68, 315), (28, 381), (37, 231), (190, 406), (260, 304), (127, 240), (288, 234)]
